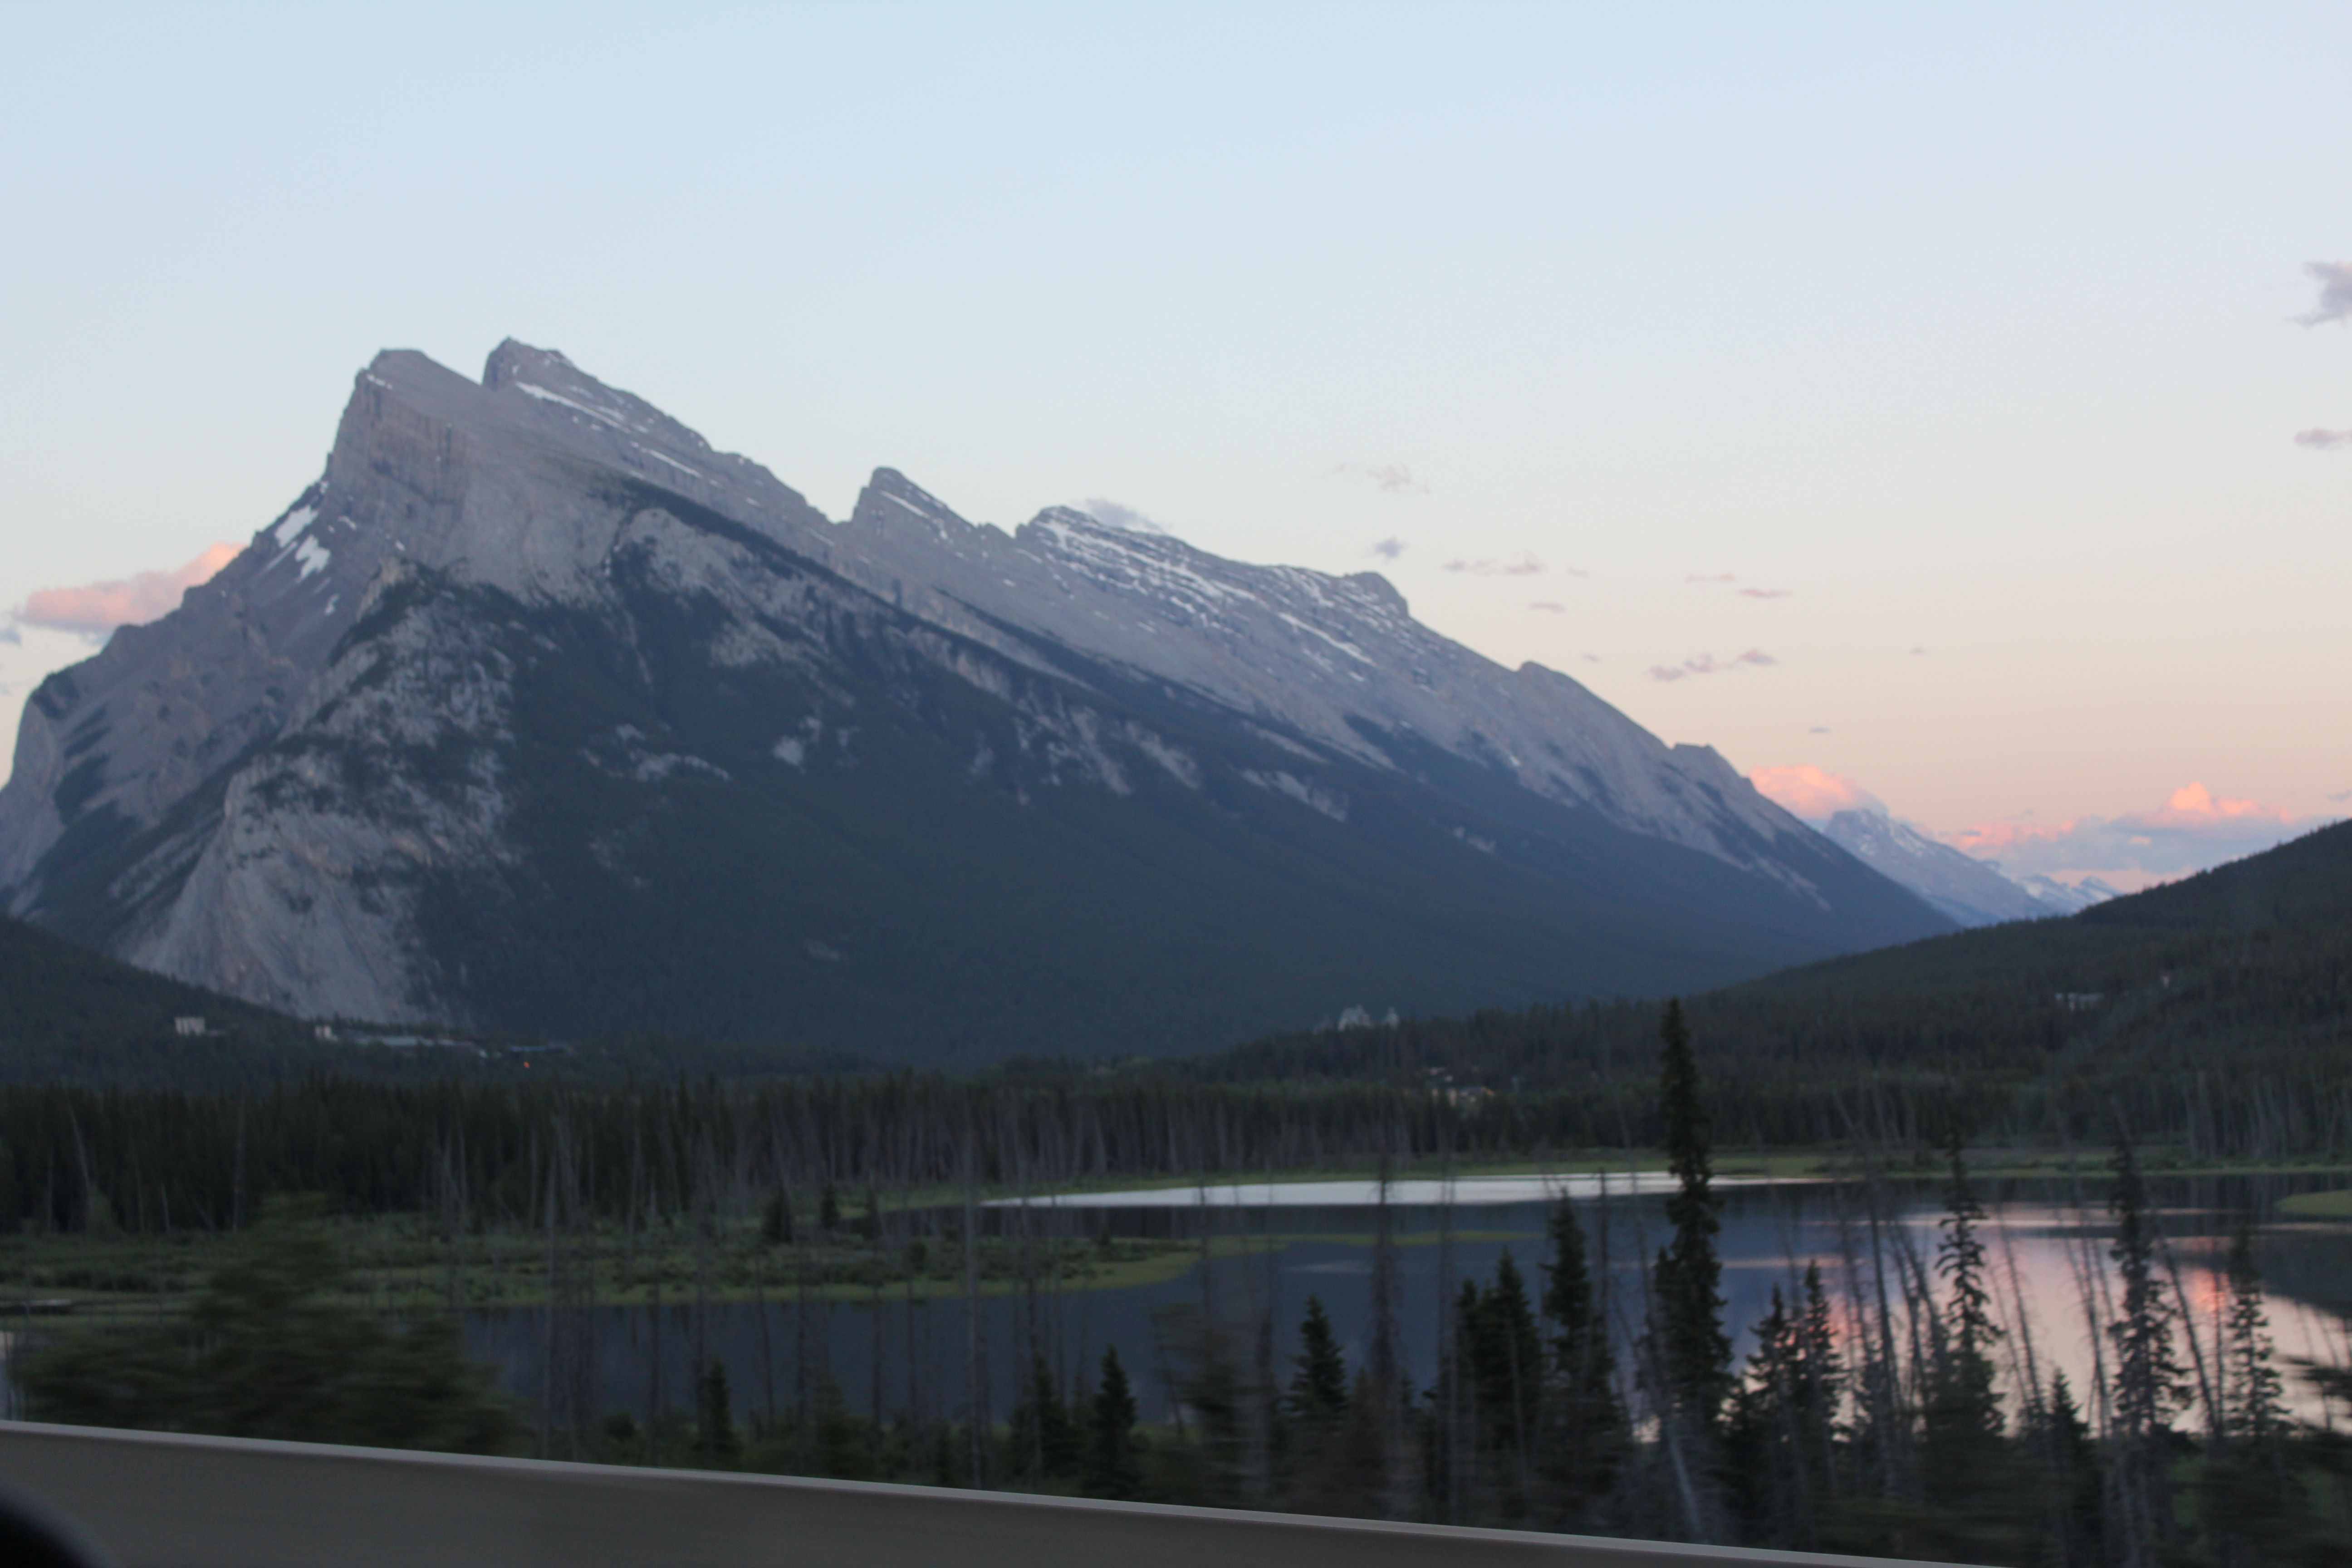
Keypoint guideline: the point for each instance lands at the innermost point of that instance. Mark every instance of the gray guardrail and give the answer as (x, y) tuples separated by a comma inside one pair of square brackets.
[(162, 1500)]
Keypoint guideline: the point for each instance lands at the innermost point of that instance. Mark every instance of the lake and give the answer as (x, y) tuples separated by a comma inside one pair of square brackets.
[(1270, 1245)]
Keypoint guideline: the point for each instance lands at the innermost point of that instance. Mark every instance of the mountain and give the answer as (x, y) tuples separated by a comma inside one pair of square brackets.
[(1972, 891), (2231, 988), (535, 711)]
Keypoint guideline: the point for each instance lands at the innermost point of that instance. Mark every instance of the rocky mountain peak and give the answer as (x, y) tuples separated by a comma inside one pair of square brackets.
[(532, 650)]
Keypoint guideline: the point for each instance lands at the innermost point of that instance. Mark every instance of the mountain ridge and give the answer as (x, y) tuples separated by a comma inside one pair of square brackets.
[(530, 657)]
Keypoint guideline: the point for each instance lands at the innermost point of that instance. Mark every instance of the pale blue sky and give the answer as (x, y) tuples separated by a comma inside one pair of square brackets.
[(1968, 327)]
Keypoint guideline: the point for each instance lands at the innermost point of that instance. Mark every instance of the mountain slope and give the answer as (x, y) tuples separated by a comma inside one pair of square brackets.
[(2229, 985), (54, 989), (1970, 890), (536, 712)]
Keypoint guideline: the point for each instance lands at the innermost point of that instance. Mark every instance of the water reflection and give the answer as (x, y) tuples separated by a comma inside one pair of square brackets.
[(1262, 1254)]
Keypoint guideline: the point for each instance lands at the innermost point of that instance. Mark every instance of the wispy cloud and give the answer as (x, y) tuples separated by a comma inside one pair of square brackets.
[(2341, 796), (1819, 730), (1117, 515), (1389, 478), (1766, 592), (95, 609), (1716, 577), (1520, 565), (1389, 549), (2334, 281), (2192, 831), (1814, 794), (1548, 605), (1708, 663), (2324, 441)]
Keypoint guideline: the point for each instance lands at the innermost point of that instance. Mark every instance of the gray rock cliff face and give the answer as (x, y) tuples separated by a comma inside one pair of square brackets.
[(522, 631)]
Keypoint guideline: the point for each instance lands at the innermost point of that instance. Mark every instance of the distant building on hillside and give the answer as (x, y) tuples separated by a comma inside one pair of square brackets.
[(191, 1023)]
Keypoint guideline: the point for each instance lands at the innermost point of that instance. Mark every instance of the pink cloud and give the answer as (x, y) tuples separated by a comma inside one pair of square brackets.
[(1815, 793), (1708, 663), (1389, 478), (2192, 831), (2334, 281), (1765, 592), (2323, 440), (1717, 577), (98, 608)]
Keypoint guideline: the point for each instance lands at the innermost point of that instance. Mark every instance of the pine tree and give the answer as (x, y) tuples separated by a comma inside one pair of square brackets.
[(2254, 1419), (2254, 1506), (1693, 1353), (1040, 1443), (1506, 1363), (1962, 1420), (1319, 1388), (2061, 1442), (1114, 1463), (2148, 1385), (1584, 1419)]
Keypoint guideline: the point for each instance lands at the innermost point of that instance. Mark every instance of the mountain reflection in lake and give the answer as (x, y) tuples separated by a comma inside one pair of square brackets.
[(1264, 1250)]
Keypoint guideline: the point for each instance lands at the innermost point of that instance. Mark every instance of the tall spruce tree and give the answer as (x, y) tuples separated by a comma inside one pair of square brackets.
[(1318, 1385), (2255, 1506), (1693, 1353), (1961, 1423), (1114, 1467), (2254, 1419), (1584, 1420), (2147, 1384)]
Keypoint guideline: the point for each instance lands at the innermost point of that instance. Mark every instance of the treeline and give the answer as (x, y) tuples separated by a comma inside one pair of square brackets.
[(1895, 1401), (2244, 969), (152, 1160)]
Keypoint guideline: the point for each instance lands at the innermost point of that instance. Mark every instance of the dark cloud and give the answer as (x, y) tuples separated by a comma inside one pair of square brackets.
[(1113, 515), (1389, 549), (1708, 663), (1389, 478), (2323, 440), (2334, 281), (1521, 566)]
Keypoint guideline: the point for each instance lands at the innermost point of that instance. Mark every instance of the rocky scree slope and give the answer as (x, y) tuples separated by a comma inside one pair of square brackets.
[(535, 711)]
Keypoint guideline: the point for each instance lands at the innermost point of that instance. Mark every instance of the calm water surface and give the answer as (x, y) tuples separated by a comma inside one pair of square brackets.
[(2047, 1238)]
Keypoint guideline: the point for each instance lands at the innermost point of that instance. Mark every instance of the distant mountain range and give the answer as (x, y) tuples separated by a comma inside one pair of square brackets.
[(536, 712), (1972, 891)]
